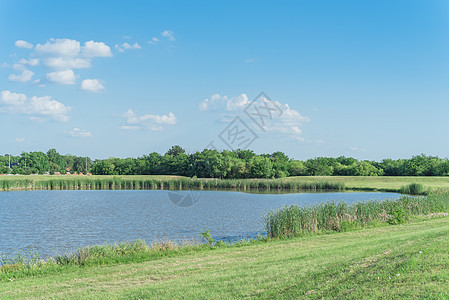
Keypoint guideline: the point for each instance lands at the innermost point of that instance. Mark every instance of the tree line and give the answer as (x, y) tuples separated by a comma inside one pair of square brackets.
[(222, 164), (37, 162)]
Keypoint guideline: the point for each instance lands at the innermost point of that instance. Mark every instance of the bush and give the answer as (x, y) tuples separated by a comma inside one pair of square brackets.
[(413, 189), (398, 216)]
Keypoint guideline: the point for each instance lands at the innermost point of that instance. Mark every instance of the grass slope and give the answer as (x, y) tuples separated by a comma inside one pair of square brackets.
[(402, 261)]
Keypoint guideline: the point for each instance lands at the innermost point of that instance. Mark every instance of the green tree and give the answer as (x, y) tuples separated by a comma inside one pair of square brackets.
[(175, 151), (320, 166), (296, 168), (103, 167), (261, 167)]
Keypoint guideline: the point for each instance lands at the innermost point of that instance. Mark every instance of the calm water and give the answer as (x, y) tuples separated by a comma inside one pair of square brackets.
[(60, 221)]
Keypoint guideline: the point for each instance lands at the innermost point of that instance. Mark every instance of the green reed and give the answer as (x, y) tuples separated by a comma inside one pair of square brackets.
[(11, 183), (338, 216)]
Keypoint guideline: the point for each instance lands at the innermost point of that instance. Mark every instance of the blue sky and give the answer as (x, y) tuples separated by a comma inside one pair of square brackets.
[(126, 78)]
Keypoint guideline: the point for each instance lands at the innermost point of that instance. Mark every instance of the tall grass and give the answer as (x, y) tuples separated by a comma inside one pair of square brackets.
[(331, 216), (413, 189), (19, 264), (11, 183), (22, 264)]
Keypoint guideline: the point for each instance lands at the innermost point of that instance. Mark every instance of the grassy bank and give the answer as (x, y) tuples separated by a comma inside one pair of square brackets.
[(405, 261), (137, 182)]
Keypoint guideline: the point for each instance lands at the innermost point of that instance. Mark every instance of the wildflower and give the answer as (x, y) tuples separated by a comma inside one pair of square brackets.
[(420, 252), (398, 274)]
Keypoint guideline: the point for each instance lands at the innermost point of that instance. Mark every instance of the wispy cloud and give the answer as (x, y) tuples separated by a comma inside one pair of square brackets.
[(356, 149), (31, 62), (80, 133), (153, 41), (127, 46), (168, 34), (218, 102)]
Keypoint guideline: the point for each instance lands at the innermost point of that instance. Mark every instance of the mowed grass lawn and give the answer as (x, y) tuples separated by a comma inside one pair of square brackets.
[(402, 261), (378, 182)]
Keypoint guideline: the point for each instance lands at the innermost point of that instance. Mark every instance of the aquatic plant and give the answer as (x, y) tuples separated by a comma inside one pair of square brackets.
[(331, 216), (11, 183)]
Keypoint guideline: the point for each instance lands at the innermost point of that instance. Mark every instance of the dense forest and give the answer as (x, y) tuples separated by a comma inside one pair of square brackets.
[(220, 164)]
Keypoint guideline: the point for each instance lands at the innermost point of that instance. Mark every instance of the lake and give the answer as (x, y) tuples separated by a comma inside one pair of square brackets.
[(57, 222)]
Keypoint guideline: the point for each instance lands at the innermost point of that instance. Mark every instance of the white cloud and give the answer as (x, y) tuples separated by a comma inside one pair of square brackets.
[(25, 76), (18, 67), (264, 115), (356, 149), (218, 102), (129, 127), (127, 46), (62, 77), (60, 47), (12, 99), (296, 130), (91, 85), (133, 46), (38, 108), (96, 49), (20, 140), (291, 116), (63, 56), (153, 41), (63, 63), (168, 34), (31, 62), (23, 44), (37, 119), (152, 122), (76, 132), (38, 83), (48, 107)]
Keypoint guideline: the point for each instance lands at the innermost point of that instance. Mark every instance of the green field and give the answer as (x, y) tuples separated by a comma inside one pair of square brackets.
[(339, 183), (379, 182), (402, 261)]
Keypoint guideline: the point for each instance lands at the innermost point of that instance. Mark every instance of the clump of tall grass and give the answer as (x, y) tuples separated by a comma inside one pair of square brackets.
[(331, 216), (413, 189), (102, 254), (22, 264)]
